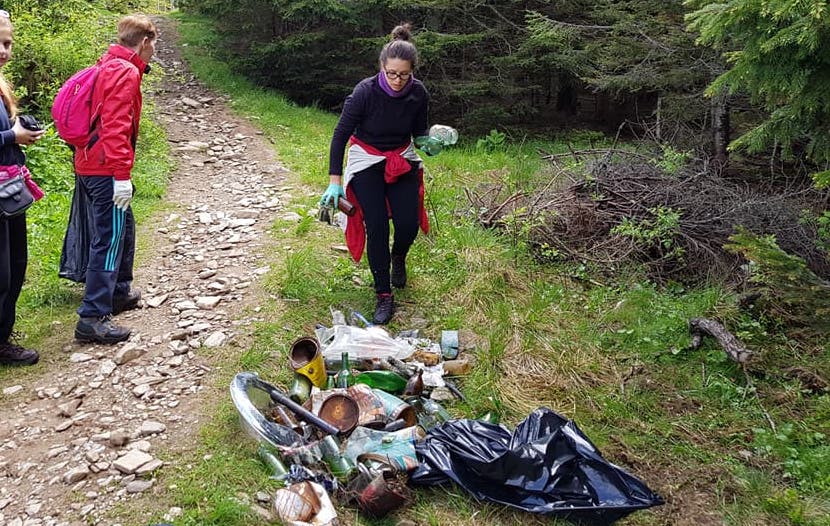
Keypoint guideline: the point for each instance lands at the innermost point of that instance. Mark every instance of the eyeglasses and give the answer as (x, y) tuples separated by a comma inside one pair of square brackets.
[(5, 14), (393, 75)]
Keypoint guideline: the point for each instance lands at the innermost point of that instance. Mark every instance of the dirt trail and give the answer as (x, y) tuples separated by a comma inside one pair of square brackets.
[(83, 436)]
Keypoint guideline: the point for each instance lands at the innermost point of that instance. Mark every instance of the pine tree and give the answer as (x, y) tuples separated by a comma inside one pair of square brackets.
[(779, 52)]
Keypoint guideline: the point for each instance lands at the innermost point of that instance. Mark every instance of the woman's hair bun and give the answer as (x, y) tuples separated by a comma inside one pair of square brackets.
[(402, 32)]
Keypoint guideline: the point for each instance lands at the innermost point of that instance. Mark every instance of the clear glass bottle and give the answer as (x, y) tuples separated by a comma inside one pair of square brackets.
[(446, 134)]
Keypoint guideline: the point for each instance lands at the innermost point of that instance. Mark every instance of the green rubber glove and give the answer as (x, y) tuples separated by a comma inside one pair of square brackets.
[(333, 193)]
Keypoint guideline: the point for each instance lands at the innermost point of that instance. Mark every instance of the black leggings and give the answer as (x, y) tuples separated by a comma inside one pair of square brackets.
[(13, 258), (372, 194)]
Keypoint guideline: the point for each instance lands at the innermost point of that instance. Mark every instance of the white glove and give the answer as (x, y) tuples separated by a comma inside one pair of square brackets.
[(122, 193)]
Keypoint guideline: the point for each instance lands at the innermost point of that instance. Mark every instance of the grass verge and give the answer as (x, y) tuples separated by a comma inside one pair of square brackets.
[(611, 356)]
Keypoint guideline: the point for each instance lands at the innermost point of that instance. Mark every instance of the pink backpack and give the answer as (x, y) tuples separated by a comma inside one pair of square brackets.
[(72, 110)]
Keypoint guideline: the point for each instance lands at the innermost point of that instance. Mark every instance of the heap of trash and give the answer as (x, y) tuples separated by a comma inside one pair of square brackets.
[(362, 423)]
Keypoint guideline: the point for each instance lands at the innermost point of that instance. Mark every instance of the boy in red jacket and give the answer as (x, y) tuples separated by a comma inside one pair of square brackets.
[(103, 168)]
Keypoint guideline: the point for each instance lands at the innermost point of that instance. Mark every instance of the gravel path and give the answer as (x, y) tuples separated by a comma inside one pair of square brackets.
[(83, 436)]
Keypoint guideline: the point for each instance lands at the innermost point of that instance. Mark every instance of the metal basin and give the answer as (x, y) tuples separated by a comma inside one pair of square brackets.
[(252, 400)]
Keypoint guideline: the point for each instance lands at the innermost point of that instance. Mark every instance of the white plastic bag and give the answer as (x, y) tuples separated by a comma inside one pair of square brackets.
[(360, 343)]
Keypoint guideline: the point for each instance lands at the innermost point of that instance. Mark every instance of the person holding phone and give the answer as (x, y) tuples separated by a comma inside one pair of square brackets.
[(14, 254)]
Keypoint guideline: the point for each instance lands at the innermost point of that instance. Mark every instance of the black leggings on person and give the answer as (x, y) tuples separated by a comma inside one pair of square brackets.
[(13, 258), (373, 192)]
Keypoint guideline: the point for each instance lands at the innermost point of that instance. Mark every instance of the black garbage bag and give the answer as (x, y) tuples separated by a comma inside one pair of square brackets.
[(75, 253), (546, 466)]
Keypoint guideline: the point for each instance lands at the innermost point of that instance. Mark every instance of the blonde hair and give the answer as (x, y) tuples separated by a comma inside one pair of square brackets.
[(6, 90), (132, 29)]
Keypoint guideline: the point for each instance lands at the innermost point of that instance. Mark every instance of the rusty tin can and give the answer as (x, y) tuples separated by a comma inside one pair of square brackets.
[(384, 494), (341, 411), (307, 359)]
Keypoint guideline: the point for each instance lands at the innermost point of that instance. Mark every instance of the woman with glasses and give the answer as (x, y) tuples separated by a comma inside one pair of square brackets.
[(13, 249), (383, 175)]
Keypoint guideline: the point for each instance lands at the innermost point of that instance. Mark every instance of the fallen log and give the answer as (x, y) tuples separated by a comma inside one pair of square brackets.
[(700, 327)]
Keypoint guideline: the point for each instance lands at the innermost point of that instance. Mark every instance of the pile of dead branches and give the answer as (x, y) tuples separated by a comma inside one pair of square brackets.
[(617, 207)]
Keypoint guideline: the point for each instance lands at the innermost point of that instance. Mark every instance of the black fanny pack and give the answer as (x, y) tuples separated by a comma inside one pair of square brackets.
[(15, 196)]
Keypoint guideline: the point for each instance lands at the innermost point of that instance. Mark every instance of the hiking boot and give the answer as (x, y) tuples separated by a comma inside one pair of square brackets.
[(11, 354), (398, 271), (125, 303), (384, 309), (100, 330)]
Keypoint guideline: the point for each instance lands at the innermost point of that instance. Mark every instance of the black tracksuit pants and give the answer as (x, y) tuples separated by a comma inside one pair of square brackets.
[(373, 193), (109, 270), (14, 255)]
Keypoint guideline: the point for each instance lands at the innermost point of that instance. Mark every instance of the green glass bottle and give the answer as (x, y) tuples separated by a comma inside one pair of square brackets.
[(300, 389), (490, 417), (270, 459), (434, 408), (330, 382), (339, 465), (383, 380), (344, 378), (429, 145)]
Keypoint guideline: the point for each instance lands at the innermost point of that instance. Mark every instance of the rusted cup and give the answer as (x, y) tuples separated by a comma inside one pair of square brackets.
[(384, 494), (306, 359), (341, 411), (397, 408)]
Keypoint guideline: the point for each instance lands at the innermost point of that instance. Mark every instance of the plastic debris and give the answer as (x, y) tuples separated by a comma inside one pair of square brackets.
[(547, 465), (304, 504), (371, 342), (449, 344)]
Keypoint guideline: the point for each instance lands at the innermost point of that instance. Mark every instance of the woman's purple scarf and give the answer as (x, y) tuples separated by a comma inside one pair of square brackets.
[(384, 85)]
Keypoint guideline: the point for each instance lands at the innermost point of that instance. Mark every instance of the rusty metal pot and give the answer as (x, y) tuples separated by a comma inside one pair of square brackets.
[(384, 494), (341, 411)]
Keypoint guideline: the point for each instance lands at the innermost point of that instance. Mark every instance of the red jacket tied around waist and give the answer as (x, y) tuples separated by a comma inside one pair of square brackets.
[(12, 171), (396, 166)]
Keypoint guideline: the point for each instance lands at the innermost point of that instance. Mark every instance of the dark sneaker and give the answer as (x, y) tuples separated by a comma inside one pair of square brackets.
[(398, 271), (11, 354), (125, 303), (384, 309), (100, 330)]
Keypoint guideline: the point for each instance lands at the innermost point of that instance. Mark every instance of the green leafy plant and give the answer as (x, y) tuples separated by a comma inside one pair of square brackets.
[(789, 289), (805, 455), (659, 232), (495, 140), (672, 160), (823, 224)]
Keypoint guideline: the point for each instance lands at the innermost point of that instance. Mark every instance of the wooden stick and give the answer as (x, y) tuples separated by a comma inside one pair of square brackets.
[(700, 327)]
